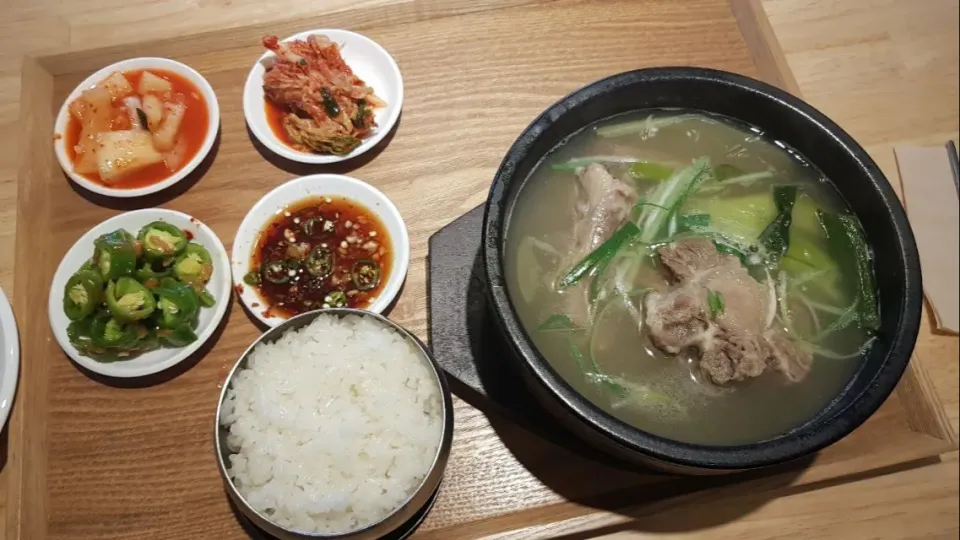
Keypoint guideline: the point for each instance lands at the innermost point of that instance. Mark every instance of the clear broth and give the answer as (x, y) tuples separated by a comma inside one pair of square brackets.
[(683, 407)]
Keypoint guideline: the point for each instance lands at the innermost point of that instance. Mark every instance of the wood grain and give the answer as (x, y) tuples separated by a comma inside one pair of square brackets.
[(857, 509), (763, 45), (888, 73), (476, 501)]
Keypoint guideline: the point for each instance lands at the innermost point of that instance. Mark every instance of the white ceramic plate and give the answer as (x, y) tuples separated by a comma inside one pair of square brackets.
[(333, 185), (213, 107), (163, 358), (9, 358), (368, 60)]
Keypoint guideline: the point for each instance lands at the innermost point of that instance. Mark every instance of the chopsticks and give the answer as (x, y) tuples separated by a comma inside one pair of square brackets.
[(954, 164)]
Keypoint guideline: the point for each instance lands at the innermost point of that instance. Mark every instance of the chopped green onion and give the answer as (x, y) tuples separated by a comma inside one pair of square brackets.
[(669, 196), (645, 128), (715, 303), (558, 322), (776, 236), (694, 222), (603, 253), (847, 244)]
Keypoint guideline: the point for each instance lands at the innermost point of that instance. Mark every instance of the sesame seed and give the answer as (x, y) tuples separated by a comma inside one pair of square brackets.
[(373, 233), (328, 199), (343, 244)]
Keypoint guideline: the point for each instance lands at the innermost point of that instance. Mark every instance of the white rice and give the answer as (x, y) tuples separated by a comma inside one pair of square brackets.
[(333, 425)]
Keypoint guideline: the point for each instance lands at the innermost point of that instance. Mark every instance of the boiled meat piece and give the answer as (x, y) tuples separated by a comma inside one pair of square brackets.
[(678, 320), (734, 344), (735, 357), (792, 361), (603, 204), (696, 261)]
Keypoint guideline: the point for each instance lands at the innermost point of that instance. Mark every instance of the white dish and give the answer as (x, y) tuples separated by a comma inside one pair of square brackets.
[(368, 60), (160, 359), (213, 108), (333, 185), (9, 358)]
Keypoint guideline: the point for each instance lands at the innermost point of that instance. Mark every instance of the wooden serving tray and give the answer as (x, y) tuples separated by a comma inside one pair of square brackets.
[(106, 459)]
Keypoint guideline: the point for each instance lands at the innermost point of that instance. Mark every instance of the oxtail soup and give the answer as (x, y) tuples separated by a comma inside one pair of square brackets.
[(690, 276)]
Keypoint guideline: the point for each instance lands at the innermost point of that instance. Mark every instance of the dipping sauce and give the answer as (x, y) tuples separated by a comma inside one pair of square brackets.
[(320, 252)]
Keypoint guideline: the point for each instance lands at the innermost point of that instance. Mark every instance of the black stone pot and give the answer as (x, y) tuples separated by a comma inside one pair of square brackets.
[(783, 117)]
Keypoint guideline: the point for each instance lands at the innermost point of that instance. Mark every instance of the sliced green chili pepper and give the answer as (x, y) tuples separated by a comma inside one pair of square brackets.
[(206, 299), (178, 303), (115, 254), (365, 274), (129, 300), (106, 339), (275, 272), (194, 266), (335, 299), (161, 240), (106, 332), (320, 262), (150, 271), (80, 336), (177, 337), (312, 226), (147, 342), (252, 278), (82, 294), (329, 103)]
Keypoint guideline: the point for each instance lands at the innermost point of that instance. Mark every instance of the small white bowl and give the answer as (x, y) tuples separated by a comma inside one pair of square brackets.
[(368, 60), (160, 359), (333, 185), (9, 358), (213, 108)]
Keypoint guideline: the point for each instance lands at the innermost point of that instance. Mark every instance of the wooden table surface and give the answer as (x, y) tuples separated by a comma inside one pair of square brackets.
[(886, 70)]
